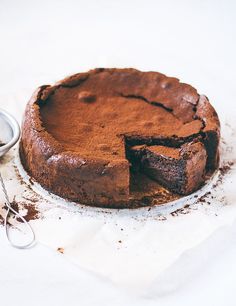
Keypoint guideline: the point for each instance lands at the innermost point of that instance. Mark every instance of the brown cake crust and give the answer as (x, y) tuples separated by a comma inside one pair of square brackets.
[(76, 134)]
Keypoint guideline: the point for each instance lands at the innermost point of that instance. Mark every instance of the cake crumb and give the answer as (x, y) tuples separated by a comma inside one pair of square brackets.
[(180, 211), (60, 250), (161, 218), (203, 198)]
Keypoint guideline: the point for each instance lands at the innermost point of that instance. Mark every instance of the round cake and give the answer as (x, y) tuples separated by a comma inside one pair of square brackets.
[(120, 138)]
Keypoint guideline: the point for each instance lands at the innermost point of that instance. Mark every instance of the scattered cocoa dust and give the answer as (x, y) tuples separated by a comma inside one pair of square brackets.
[(32, 212), (204, 198), (32, 199), (160, 218), (181, 211), (208, 196), (18, 175), (223, 171)]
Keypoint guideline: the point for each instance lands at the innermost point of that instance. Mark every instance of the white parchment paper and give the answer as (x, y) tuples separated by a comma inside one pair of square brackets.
[(145, 251), (187, 258)]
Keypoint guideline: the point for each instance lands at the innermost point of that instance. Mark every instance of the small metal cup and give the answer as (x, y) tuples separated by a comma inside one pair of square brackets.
[(9, 132)]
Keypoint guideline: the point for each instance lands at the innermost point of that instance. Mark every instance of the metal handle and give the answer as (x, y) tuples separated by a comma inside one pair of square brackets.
[(9, 208), (15, 132)]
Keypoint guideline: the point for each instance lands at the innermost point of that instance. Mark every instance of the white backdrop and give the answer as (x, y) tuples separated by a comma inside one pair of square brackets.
[(43, 41)]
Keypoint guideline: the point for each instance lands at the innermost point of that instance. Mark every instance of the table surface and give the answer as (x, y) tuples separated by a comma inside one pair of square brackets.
[(43, 41)]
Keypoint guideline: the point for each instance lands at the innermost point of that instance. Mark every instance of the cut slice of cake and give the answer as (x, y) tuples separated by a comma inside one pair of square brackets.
[(181, 170)]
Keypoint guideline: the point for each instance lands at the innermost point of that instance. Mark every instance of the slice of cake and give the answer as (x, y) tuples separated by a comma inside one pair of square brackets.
[(181, 170)]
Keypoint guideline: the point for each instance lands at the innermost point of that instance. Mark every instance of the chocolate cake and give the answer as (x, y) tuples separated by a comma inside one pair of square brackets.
[(119, 138)]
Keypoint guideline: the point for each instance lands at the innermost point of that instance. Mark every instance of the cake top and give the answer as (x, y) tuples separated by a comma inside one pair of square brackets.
[(185, 151), (168, 152), (91, 113)]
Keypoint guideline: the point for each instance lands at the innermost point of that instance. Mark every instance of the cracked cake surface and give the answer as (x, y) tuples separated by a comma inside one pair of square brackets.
[(78, 136)]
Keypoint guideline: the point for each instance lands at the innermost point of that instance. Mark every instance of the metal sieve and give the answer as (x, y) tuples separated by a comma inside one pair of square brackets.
[(9, 135)]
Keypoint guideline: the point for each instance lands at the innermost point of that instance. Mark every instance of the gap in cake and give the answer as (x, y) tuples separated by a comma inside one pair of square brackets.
[(165, 173)]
